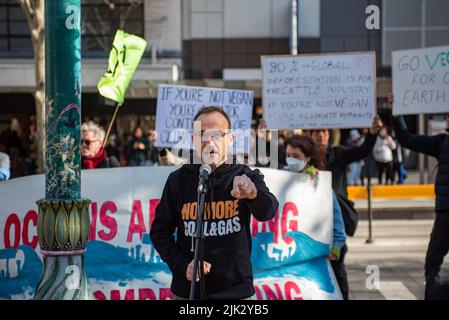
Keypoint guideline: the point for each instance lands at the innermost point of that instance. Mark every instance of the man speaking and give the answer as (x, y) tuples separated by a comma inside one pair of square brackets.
[(234, 193)]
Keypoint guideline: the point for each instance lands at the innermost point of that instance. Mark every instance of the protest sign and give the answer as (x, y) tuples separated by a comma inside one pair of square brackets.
[(319, 91), (421, 80), (178, 105)]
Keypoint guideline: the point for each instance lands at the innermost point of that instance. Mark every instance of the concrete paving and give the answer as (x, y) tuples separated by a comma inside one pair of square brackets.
[(397, 253)]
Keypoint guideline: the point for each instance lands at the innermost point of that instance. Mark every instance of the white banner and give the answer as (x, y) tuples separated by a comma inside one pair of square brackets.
[(319, 91), (289, 254), (421, 81), (178, 105)]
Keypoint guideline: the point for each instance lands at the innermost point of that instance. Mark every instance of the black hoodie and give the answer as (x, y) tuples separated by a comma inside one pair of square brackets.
[(227, 228)]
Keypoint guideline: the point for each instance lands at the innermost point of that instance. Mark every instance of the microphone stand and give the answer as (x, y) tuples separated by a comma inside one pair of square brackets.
[(198, 260)]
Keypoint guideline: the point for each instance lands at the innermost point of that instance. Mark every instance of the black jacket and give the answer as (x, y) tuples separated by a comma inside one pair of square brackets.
[(339, 157), (435, 146), (227, 246)]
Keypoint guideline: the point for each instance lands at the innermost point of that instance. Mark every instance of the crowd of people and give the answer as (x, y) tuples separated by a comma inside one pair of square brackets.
[(305, 151), (138, 149)]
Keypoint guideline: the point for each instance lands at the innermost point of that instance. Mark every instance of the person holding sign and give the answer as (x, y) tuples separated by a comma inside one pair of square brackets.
[(437, 147), (337, 159), (303, 156), (235, 192)]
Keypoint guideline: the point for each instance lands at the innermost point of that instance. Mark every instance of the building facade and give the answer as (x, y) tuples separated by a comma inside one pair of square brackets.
[(213, 43)]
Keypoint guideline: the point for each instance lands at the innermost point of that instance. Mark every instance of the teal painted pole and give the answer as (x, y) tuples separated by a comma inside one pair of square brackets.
[(63, 99), (63, 220)]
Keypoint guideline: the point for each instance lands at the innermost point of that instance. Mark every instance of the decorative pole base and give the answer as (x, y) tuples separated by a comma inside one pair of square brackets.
[(63, 231)]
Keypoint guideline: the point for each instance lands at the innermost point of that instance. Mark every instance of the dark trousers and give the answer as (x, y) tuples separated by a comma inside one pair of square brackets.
[(437, 250), (340, 272), (388, 168)]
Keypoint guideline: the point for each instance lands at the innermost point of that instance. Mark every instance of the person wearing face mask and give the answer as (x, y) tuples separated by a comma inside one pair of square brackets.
[(303, 156)]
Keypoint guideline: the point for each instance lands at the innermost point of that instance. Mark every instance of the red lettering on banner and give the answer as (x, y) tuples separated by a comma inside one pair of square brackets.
[(279, 221), (138, 227), (93, 221), (108, 221), (12, 221), (29, 216), (279, 291), (129, 294), (258, 293), (99, 295), (289, 207), (267, 226), (165, 294), (153, 205), (146, 294), (289, 287), (115, 295), (270, 294)]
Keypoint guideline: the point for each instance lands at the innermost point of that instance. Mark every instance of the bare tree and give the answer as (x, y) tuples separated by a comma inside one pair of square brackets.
[(34, 11)]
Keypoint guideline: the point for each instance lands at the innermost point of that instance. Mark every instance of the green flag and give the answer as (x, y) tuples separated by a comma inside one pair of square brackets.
[(127, 50)]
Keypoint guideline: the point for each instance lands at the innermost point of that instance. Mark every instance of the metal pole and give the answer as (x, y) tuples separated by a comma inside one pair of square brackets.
[(370, 211), (421, 131), (63, 220), (198, 257), (294, 21)]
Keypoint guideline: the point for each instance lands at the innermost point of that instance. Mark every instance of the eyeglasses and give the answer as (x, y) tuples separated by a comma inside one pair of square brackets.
[(87, 142), (208, 134)]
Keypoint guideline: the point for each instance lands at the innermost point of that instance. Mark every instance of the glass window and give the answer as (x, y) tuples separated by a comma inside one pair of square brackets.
[(436, 38), (100, 21), (403, 13), (15, 37), (437, 13)]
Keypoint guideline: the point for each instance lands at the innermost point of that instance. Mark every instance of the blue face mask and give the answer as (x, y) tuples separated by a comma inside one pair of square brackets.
[(295, 165)]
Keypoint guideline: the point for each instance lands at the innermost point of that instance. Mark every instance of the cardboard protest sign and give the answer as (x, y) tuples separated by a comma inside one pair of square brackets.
[(319, 91), (421, 80), (178, 105)]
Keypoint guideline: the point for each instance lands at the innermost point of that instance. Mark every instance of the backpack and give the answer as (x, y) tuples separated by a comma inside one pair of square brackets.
[(350, 215)]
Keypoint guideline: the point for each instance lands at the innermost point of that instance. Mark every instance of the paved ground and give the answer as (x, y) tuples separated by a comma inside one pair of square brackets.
[(398, 252)]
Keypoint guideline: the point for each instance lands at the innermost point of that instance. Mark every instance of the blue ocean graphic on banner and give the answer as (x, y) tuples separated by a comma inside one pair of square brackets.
[(106, 262), (289, 252)]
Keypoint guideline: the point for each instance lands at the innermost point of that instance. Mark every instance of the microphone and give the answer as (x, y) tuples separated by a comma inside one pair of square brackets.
[(205, 171)]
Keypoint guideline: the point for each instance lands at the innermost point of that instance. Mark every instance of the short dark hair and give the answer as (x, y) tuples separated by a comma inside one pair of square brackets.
[(309, 148), (211, 109)]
